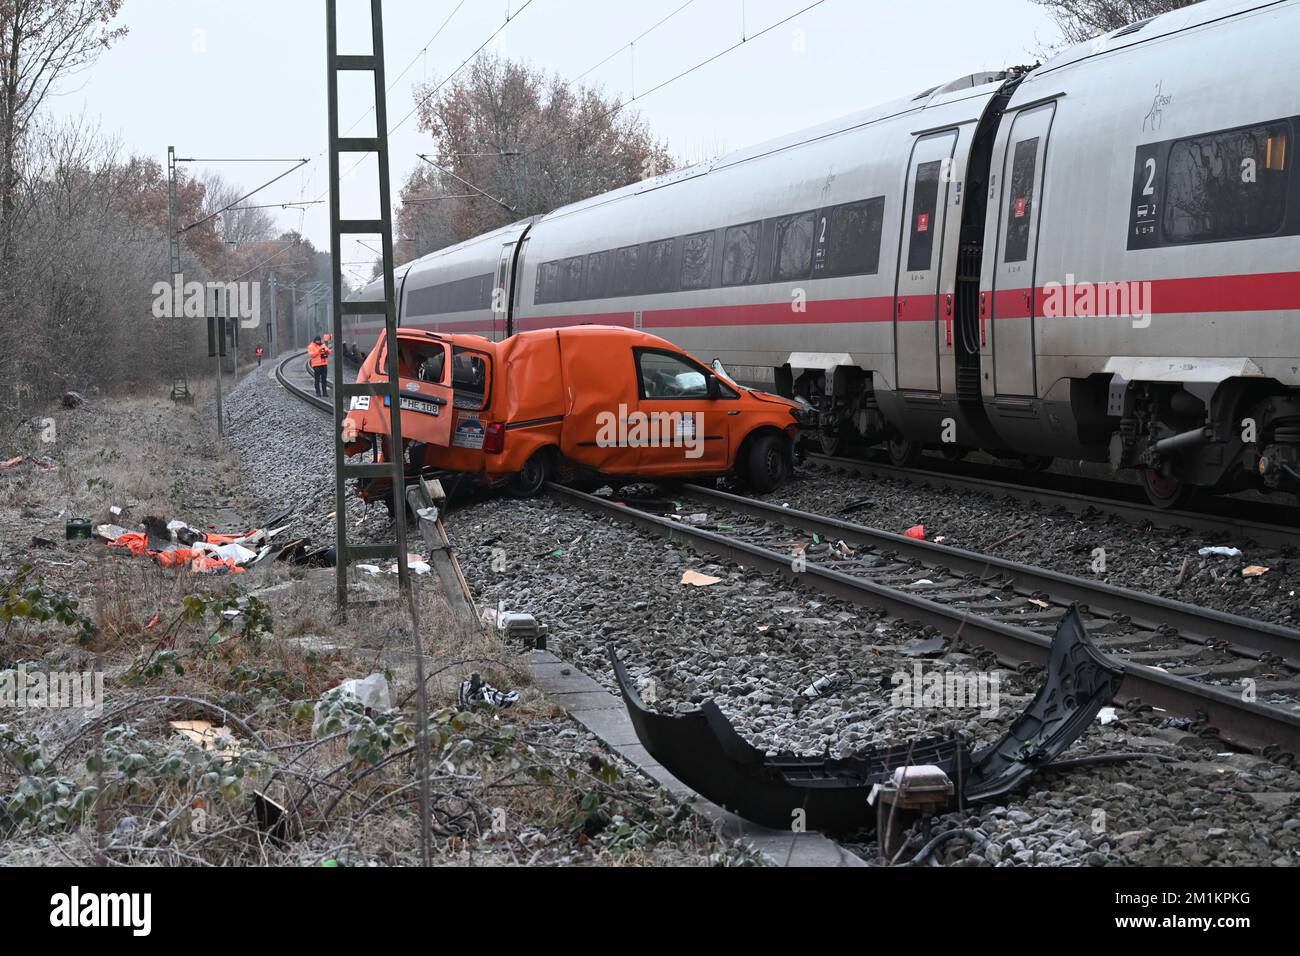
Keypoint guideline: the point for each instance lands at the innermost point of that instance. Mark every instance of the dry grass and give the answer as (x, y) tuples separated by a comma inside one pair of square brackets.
[(511, 787)]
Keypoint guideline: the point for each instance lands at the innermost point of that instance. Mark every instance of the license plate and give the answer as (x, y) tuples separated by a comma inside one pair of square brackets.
[(415, 405)]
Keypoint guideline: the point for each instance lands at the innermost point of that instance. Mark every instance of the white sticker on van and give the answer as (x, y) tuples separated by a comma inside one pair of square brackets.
[(469, 434), (359, 403)]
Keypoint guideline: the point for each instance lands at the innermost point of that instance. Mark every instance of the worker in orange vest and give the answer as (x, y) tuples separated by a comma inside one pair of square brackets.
[(318, 356), (259, 353)]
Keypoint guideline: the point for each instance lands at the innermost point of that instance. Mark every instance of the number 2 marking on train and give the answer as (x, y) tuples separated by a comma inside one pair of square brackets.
[(1149, 188)]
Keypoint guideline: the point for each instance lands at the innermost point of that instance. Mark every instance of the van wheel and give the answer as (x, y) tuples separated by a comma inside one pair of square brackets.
[(411, 519), (767, 464), (534, 476)]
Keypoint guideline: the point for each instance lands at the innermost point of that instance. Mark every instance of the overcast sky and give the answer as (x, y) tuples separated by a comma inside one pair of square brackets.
[(246, 78)]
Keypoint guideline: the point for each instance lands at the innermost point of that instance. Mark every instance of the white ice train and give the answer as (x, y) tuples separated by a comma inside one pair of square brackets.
[(1096, 259)]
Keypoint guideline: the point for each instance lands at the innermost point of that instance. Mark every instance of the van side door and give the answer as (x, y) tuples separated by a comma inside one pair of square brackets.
[(683, 417)]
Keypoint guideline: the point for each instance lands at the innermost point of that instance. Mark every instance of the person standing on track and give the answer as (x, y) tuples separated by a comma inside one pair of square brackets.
[(318, 356), (259, 353)]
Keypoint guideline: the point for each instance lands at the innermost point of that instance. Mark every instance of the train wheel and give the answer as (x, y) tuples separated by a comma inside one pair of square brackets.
[(536, 473), (903, 452), (1166, 492), (953, 452), (768, 463), (1036, 462), (832, 443)]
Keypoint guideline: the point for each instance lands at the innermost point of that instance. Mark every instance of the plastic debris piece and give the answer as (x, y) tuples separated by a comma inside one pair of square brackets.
[(1107, 715), (697, 580), (372, 692), (916, 531), (931, 647), (476, 690), (209, 736), (1254, 571), (826, 684), (1220, 552)]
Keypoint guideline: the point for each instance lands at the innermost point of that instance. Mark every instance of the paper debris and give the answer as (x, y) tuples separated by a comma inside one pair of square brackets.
[(698, 580)]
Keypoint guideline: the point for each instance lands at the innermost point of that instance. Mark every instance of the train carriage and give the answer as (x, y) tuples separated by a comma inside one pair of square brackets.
[(1090, 259)]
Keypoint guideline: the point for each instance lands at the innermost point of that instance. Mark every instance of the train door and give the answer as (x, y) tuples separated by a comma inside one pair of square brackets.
[(501, 290), (1014, 300), (917, 292)]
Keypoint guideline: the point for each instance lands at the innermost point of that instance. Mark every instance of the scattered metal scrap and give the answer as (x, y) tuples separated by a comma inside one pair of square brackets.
[(704, 751)]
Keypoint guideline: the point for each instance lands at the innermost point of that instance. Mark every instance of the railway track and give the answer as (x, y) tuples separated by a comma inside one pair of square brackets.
[(1176, 656), (1179, 657), (298, 390), (1232, 518)]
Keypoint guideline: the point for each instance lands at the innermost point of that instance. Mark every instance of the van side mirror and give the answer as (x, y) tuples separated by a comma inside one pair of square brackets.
[(715, 390)]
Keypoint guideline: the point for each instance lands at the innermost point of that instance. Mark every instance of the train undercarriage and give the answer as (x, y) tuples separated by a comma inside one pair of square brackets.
[(1179, 440)]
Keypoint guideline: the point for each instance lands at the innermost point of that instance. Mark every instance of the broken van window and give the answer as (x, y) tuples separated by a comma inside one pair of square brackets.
[(469, 378)]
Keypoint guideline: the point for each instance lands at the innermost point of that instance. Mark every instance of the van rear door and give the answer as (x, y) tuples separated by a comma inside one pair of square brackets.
[(427, 397)]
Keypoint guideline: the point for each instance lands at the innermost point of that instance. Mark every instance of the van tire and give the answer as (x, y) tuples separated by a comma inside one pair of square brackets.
[(767, 463), (534, 476)]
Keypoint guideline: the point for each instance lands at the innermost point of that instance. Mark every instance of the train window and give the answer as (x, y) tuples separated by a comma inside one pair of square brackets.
[(625, 280), (659, 266), (548, 283), (1229, 185), (697, 261), (459, 295), (1021, 204), (794, 245), (848, 239), (925, 197), (571, 278), (740, 254), (598, 275)]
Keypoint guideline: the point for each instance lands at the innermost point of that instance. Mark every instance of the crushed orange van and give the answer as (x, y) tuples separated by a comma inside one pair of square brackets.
[(571, 402)]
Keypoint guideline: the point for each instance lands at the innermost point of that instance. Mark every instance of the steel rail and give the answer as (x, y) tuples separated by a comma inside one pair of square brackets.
[(1074, 502), (1247, 723), (1197, 624)]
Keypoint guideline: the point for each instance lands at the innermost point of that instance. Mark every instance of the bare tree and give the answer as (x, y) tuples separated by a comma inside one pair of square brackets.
[(41, 42), (242, 224), (1082, 20), (534, 142), (426, 217)]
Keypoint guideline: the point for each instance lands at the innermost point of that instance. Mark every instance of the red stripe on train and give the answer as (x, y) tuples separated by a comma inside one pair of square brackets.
[(1261, 292)]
